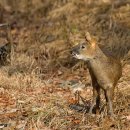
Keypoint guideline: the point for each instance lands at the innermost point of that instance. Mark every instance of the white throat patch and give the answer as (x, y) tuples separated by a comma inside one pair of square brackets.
[(80, 57)]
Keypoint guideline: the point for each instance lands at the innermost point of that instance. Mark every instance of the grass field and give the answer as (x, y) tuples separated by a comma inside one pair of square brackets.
[(37, 86)]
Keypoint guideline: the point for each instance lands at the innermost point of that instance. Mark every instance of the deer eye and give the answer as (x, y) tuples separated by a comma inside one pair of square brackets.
[(83, 46)]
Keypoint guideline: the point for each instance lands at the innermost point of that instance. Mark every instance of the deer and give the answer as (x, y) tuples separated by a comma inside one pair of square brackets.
[(105, 71)]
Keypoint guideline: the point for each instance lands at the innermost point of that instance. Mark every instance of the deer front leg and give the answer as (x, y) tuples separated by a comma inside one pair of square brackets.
[(109, 97), (96, 99)]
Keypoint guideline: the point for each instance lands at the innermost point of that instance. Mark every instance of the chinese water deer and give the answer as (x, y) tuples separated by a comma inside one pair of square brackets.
[(104, 71)]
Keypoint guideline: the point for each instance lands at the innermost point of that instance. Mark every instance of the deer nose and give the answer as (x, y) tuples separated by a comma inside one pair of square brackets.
[(74, 51), (71, 52)]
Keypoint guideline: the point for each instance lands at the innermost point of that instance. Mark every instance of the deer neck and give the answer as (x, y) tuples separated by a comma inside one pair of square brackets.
[(99, 57)]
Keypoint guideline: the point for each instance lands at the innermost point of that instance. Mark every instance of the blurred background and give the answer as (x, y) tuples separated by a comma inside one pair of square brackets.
[(61, 23)]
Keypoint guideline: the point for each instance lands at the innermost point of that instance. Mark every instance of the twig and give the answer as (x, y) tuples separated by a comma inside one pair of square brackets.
[(4, 24)]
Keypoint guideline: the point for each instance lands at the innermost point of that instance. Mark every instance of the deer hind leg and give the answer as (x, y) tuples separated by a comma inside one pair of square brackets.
[(96, 98), (109, 94)]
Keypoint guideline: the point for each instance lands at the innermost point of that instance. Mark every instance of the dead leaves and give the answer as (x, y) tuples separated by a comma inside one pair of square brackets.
[(47, 106), (6, 99), (73, 120)]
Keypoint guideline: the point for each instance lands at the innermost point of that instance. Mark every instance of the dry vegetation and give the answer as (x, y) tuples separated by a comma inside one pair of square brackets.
[(36, 88)]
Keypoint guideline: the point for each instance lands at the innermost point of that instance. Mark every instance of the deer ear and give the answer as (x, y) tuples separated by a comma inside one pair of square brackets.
[(88, 37), (90, 40)]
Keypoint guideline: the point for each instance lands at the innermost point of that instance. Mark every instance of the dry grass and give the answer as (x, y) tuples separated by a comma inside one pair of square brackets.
[(36, 89)]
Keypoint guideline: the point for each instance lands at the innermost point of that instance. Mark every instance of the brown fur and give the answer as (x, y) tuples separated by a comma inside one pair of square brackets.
[(104, 71)]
